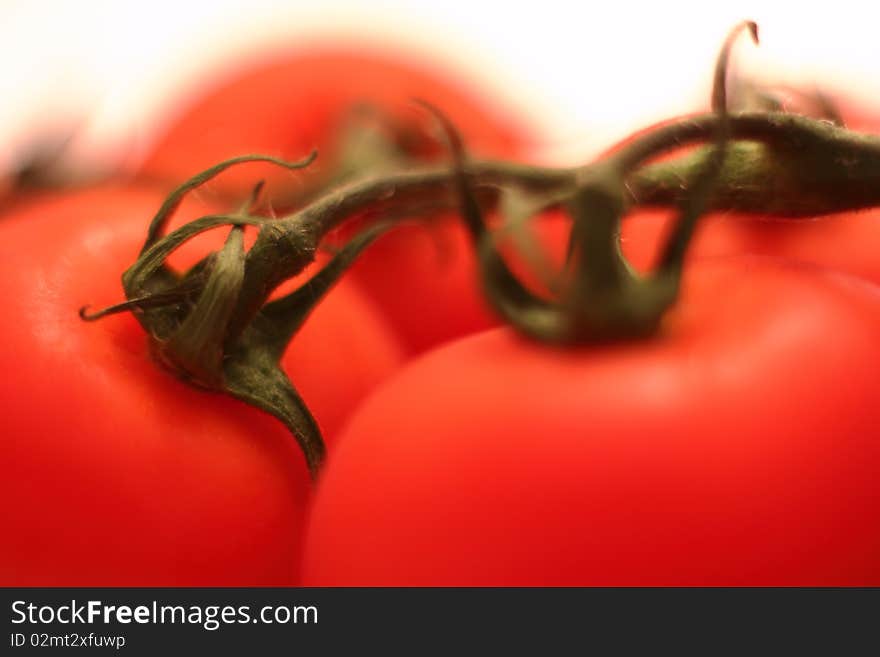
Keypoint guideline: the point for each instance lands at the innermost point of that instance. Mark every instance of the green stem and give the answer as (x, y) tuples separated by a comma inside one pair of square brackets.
[(215, 326), (796, 168)]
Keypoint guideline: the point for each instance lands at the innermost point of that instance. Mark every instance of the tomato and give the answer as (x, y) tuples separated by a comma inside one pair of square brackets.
[(857, 114), (740, 446), (846, 241), (290, 105), (114, 471)]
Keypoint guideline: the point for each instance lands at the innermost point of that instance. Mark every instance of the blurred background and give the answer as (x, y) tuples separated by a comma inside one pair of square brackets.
[(110, 74)]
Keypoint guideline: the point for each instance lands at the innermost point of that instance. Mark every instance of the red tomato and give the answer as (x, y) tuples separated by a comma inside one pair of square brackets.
[(846, 241), (858, 115), (740, 446), (421, 277), (290, 104), (117, 473)]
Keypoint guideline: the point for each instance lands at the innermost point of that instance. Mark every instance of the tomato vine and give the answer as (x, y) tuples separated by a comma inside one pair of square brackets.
[(216, 326)]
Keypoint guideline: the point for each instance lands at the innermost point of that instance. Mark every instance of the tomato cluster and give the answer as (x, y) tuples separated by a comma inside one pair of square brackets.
[(736, 445)]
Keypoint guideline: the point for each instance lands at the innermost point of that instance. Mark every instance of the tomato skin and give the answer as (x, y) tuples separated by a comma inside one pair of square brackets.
[(117, 473), (844, 241), (292, 103), (739, 447), (421, 276)]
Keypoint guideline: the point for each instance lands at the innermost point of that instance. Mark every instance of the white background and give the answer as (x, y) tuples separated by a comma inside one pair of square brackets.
[(586, 73)]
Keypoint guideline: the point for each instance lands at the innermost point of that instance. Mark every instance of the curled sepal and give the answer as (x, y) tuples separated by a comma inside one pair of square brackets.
[(166, 211), (195, 349), (517, 207), (513, 301), (252, 370), (719, 82), (140, 276), (287, 314), (696, 202), (254, 377), (182, 292)]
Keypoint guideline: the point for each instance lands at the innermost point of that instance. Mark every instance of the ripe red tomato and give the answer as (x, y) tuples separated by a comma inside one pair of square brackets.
[(290, 104), (740, 446), (117, 473), (421, 277), (846, 241)]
